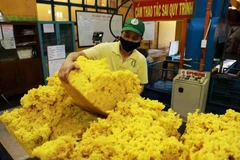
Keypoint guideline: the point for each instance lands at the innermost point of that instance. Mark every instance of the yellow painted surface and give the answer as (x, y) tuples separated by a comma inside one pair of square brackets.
[(124, 8), (44, 12), (22, 8), (235, 3), (167, 30)]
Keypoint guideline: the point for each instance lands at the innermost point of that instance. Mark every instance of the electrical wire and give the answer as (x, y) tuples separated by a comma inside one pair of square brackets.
[(187, 59), (110, 21), (210, 21), (187, 65), (205, 34), (127, 14)]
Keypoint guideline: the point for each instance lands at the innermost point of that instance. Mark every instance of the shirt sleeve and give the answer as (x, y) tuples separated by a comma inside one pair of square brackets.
[(143, 72), (94, 52)]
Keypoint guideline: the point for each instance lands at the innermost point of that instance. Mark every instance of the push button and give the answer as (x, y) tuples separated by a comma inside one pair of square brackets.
[(180, 89)]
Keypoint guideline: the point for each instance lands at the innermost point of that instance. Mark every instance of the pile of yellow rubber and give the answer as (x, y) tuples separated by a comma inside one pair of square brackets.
[(95, 88), (50, 126)]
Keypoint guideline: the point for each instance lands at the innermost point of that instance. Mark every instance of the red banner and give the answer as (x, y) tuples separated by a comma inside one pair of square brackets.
[(152, 10)]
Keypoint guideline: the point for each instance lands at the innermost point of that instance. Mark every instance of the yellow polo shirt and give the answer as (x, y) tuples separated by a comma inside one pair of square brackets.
[(136, 62)]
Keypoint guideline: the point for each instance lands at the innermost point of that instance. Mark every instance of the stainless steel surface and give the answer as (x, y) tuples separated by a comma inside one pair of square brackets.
[(11, 145)]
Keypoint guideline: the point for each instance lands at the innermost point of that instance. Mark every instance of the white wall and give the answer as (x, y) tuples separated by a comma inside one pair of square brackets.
[(167, 30)]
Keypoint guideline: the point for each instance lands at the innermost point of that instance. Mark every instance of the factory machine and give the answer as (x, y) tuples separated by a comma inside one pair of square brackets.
[(189, 92), (205, 32)]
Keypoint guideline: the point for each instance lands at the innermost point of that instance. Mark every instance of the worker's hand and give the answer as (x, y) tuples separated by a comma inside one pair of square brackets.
[(66, 67)]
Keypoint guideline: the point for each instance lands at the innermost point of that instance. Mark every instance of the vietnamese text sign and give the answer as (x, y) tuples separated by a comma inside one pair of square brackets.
[(149, 10)]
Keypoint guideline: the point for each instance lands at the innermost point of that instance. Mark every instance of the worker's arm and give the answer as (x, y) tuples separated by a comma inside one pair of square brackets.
[(69, 65), (143, 73)]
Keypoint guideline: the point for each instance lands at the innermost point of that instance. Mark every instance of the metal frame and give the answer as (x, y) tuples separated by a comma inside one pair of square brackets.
[(58, 38), (69, 4)]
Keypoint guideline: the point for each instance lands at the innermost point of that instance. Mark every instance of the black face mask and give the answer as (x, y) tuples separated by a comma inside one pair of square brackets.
[(128, 45)]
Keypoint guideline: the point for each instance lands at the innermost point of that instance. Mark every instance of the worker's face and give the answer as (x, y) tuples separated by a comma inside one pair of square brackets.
[(131, 36), (130, 40)]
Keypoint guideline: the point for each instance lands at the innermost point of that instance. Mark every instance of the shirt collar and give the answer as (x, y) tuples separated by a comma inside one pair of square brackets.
[(116, 50)]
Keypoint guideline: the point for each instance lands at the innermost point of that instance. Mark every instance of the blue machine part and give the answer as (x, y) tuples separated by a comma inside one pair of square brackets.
[(217, 32)]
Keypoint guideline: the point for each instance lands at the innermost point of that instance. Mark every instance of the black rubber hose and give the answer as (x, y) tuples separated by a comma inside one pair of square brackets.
[(110, 21), (127, 13)]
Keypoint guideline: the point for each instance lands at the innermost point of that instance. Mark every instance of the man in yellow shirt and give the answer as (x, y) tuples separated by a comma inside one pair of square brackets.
[(121, 55)]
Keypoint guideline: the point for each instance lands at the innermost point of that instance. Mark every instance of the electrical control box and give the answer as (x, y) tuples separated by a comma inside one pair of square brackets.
[(191, 76), (189, 92)]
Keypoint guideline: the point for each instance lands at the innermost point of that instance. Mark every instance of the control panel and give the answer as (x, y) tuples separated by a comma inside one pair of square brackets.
[(189, 92), (192, 76)]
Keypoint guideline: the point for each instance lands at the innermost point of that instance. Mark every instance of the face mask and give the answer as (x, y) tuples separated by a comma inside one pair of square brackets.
[(128, 45)]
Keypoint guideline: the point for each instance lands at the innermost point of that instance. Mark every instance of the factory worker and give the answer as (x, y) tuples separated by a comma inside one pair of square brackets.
[(121, 55)]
